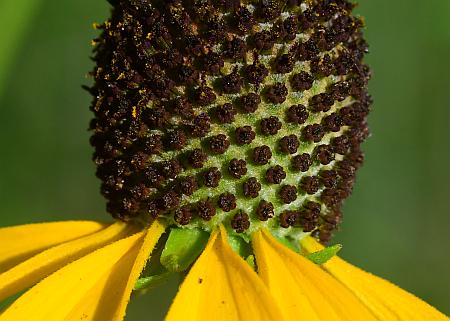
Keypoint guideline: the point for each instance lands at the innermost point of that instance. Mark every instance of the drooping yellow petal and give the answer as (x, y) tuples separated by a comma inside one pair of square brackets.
[(302, 289), (45, 263), (23, 241), (55, 298), (108, 299), (386, 300), (222, 287)]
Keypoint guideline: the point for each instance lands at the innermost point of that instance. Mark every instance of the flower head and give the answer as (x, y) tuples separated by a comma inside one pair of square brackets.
[(227, 135)]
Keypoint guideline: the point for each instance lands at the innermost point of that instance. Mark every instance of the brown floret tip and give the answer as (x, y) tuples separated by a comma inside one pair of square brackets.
[(237, 168), (288, 194), (271, 125), (205, 210), (240, 222), (275, 174), (219, 143), (244, 135), (265, 210), (227, 202), (211, 177), (262, 154), (251, 187), (289, 144)]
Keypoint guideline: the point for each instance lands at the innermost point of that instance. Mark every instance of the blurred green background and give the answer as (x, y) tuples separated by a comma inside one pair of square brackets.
[(397, 221)]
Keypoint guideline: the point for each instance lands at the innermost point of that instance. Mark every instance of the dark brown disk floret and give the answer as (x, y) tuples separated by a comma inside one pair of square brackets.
[(244, 20), (333, 122), (265, 210), (139, 161), (284, 64), (205, 210), (263, 40), (341, 144), (183, 215), (176, 139), (244, 135), (289, 218), (212, 62), (197, 158), (321, 102), (329, 178), (310, 184), (187, 185), (309, 216), (346, 169), (271, 125), (237, 168), (181, 106), (301, 81), (153, 144), (168, 200), (262, 154), (211, 177), (235, 49), (256, 73), (324, 154), (277, 93), (227, 202), (332, 197), (153, 177), (249, 103), (275, 174), (289, 144), (340, 90), (152, 208), (200, 125), (288, 194), (219, 143), (204, 96), (297, 114), (251, 187), (171, 168), (186, 75), (156, 117), (313, 133), (301, 162), (268, 9), (240, 222), (322, 67), (307, 50), (232, 83), (290, 26), (225, 113)]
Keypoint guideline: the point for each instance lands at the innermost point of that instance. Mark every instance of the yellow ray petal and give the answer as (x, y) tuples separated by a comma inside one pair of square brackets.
[(302, 289), (222, 287), (54, 298), (43, 264), (386, 300), (108, 299), (23, 241)]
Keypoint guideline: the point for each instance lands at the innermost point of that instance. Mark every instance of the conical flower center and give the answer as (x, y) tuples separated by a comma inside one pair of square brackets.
[(242, 113)]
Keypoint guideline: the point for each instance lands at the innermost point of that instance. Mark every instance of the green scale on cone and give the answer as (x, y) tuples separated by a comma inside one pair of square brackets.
[(248, 114)]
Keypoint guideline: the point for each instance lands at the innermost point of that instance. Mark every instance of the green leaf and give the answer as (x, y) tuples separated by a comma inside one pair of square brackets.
[(151, 282), (182, 247), (324, 255)]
